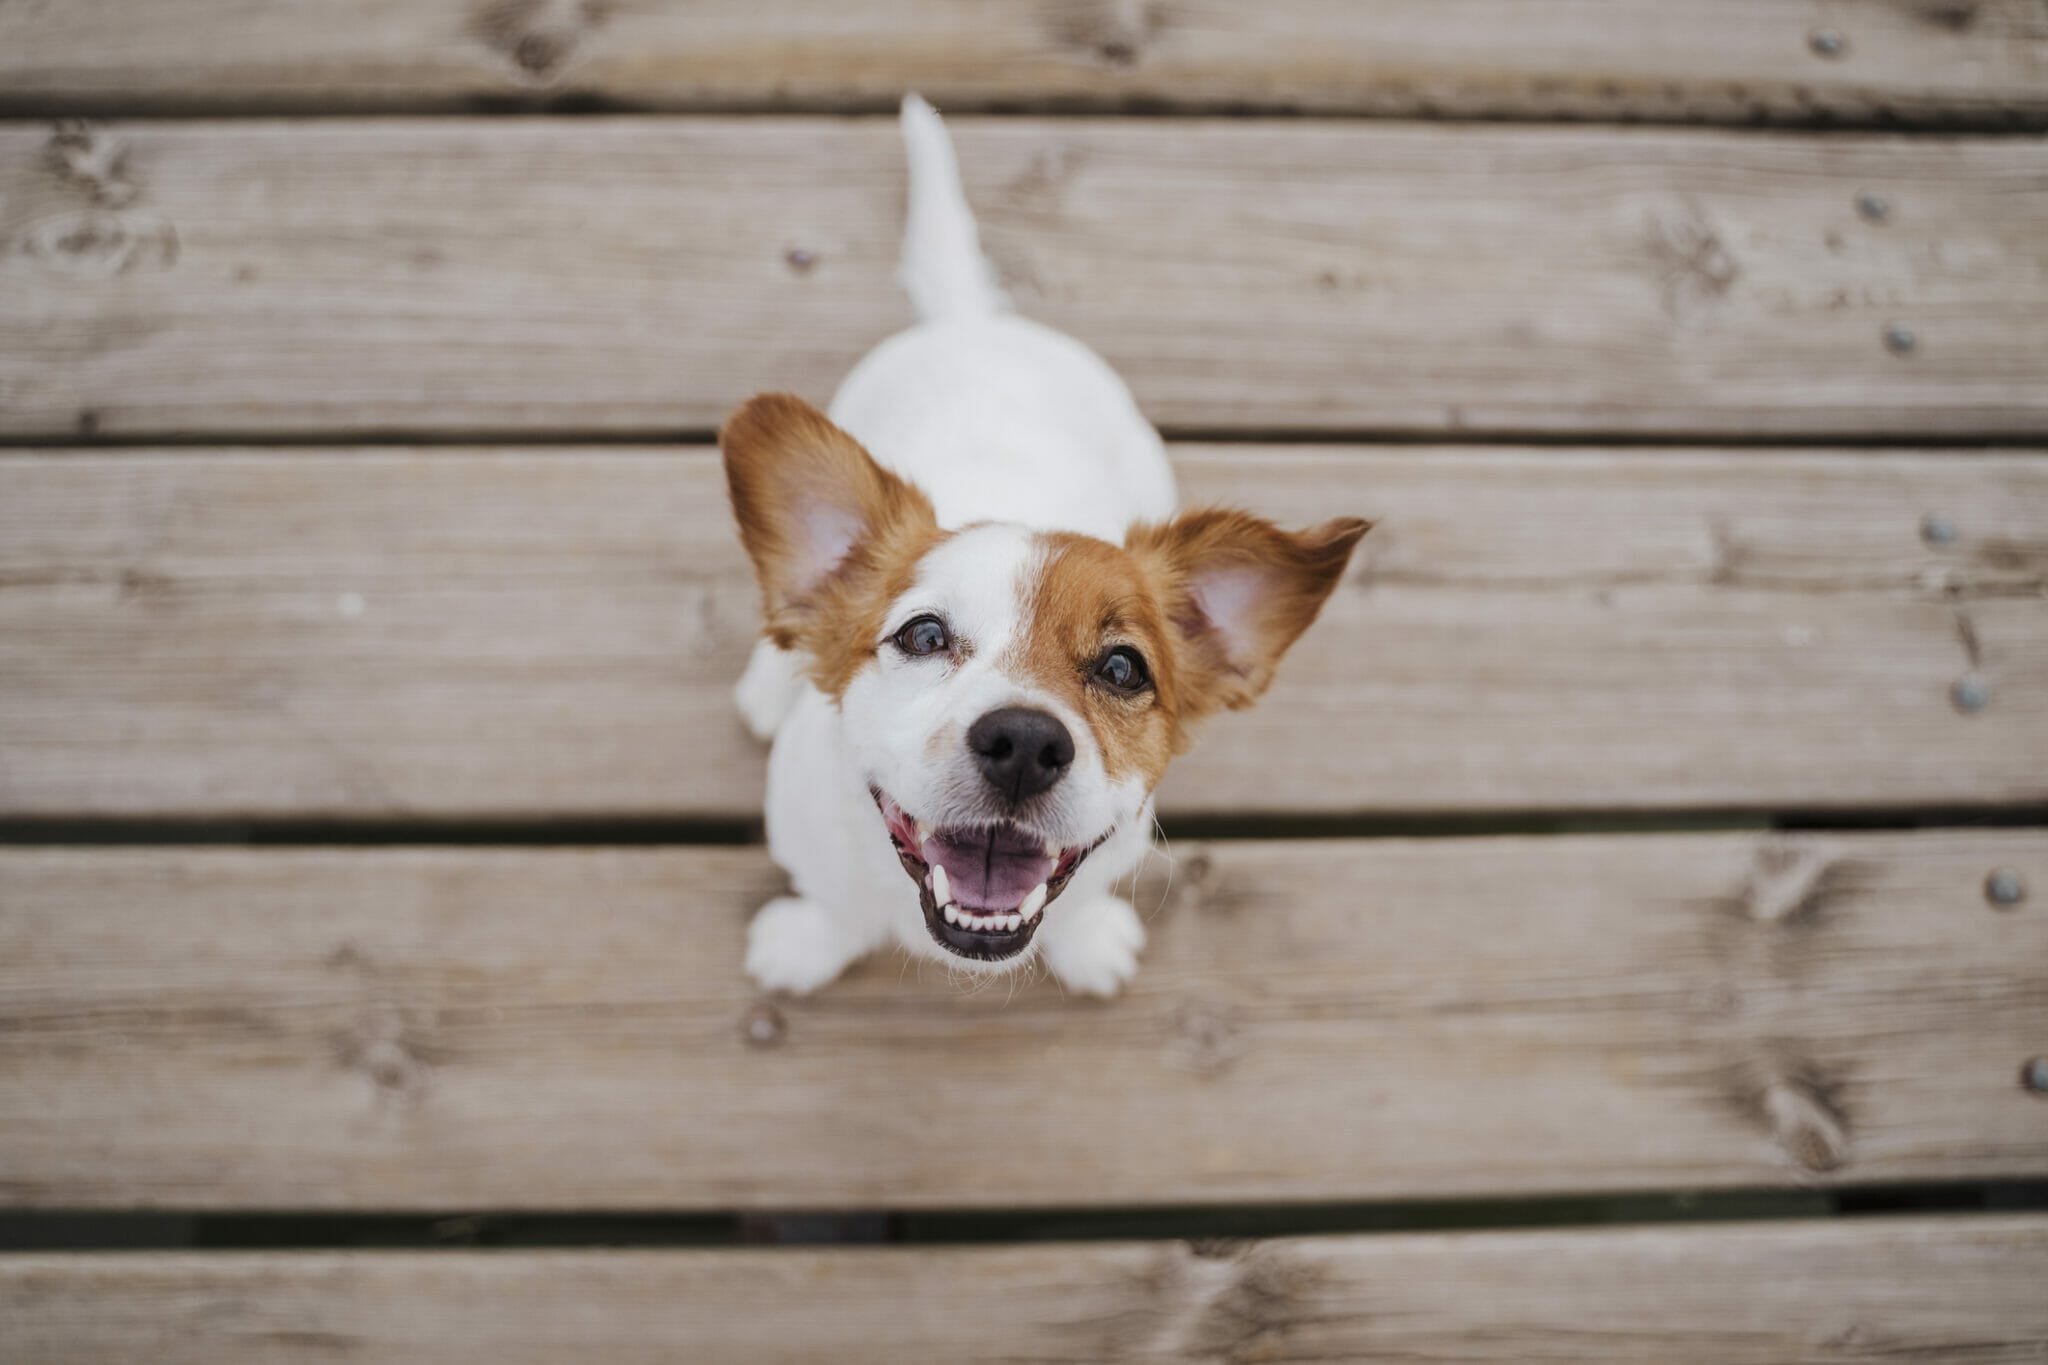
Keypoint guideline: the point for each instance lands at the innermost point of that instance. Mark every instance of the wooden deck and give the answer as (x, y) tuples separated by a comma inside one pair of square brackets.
[(1659, 815)]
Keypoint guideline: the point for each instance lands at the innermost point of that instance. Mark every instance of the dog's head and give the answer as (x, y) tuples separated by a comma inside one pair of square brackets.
[(1011, 696)]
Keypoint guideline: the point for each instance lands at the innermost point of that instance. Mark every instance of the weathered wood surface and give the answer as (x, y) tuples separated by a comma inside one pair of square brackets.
[(1923, 1288), (526, 634), (1899, 61), (637, 275), (1324, 1020)]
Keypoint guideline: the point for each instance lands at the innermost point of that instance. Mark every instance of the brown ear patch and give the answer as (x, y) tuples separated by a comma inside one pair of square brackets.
[(834, 537), (1238, 591)]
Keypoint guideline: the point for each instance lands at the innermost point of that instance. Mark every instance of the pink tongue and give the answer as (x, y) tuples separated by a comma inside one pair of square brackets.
[(989, 870)]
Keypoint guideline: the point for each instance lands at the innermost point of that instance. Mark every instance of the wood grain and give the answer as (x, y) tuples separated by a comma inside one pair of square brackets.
[(472, 634), (1925, 1288), (1900, 61), (468, 1028), (642, 276)]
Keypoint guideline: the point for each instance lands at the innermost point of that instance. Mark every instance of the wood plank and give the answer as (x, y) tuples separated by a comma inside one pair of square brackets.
[(1926, 1288), (635, 276), (465, 1028), (547, 633), (1899, 61)]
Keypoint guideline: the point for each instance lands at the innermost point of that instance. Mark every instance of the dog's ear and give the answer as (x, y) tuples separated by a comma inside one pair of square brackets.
[(1239, 590), (815, 511)]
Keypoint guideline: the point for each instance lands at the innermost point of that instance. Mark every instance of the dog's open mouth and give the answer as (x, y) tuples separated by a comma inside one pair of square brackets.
[(983, 888)]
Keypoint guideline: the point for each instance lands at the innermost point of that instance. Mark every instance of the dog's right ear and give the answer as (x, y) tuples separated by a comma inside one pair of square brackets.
[(816, 513)]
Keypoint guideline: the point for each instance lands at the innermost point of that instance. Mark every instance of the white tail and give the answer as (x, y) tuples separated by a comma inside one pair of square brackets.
[(943, 268)]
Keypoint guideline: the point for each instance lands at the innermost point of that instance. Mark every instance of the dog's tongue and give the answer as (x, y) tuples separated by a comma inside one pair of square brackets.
[(989, 869)]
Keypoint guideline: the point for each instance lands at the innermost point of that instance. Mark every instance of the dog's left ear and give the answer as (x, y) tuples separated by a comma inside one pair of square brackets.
[(1239, 590), (815, 511)]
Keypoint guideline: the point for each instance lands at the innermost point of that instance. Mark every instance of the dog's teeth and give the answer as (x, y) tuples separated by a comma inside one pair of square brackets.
[(1033, 903), (952, 913), (1013, 922), (942, 889), (1053, 850), (922, 830)]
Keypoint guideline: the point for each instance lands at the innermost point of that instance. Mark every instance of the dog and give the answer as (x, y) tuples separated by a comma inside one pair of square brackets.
[(986, 629)]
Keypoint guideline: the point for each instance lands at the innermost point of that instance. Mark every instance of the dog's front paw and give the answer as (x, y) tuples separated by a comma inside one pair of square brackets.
[(767, 690), (1093, 947), (797, 945)]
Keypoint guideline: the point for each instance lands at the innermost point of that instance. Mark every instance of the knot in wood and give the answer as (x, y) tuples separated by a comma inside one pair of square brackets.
[(1787, 883), (1806, 1126), (1208, 1038), (87, 159), (538, 36), (389, 1066), (97, 244), (1114, 32)]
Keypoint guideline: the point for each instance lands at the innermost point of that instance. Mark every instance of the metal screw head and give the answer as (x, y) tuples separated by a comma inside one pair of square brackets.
[(799, 260), (1899, 338), (2034, 1075), (763, 1026), (1826, 42), (1970, 693), (2004, 888), (1873, 207), (1937, 530)]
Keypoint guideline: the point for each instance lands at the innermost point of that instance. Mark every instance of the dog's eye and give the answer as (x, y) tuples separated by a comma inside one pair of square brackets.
[(923, 635), (1124, 669)]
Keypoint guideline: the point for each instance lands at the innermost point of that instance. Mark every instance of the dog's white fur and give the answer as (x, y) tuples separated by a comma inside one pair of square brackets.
[(1000, 421)]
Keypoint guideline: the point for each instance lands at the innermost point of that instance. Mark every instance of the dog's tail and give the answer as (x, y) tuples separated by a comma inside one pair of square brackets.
[(943, 268)]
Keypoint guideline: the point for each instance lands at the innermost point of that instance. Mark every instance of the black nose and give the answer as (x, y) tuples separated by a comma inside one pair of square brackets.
[(1021, 751)]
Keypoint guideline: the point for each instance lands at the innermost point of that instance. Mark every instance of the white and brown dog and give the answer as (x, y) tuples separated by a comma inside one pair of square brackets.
[(986, 638)]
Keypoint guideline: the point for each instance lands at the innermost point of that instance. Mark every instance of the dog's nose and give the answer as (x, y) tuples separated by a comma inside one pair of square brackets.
[(1021, 751)]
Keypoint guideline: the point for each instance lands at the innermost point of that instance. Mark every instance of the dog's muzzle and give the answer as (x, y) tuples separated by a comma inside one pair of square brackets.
[(983, 888)]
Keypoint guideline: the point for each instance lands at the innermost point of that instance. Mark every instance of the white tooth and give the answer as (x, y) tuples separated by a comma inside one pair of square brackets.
[(923, 830), (942, 890), (952, 913), (1013, 922), (1033, 903), (1053, 850)]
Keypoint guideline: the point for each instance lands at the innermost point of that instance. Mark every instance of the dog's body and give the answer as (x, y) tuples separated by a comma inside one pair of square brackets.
[(941, 673)]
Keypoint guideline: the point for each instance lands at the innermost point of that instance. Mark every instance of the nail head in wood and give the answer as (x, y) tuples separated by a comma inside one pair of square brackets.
[(1826, 42), (1970, 694), (1899, 338), (1874, 207), (764, 1026), (799, 260), (1937, 530), (2004, 888), (2034, 1075)]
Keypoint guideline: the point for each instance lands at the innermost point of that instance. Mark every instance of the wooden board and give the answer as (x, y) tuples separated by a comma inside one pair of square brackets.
[(1898, 61), (538, 634), (464, 1028), (642, 276), (1925, 1288)]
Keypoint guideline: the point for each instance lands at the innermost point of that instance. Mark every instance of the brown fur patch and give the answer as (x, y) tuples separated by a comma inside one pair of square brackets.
[(1091, 596), (797, 480)]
